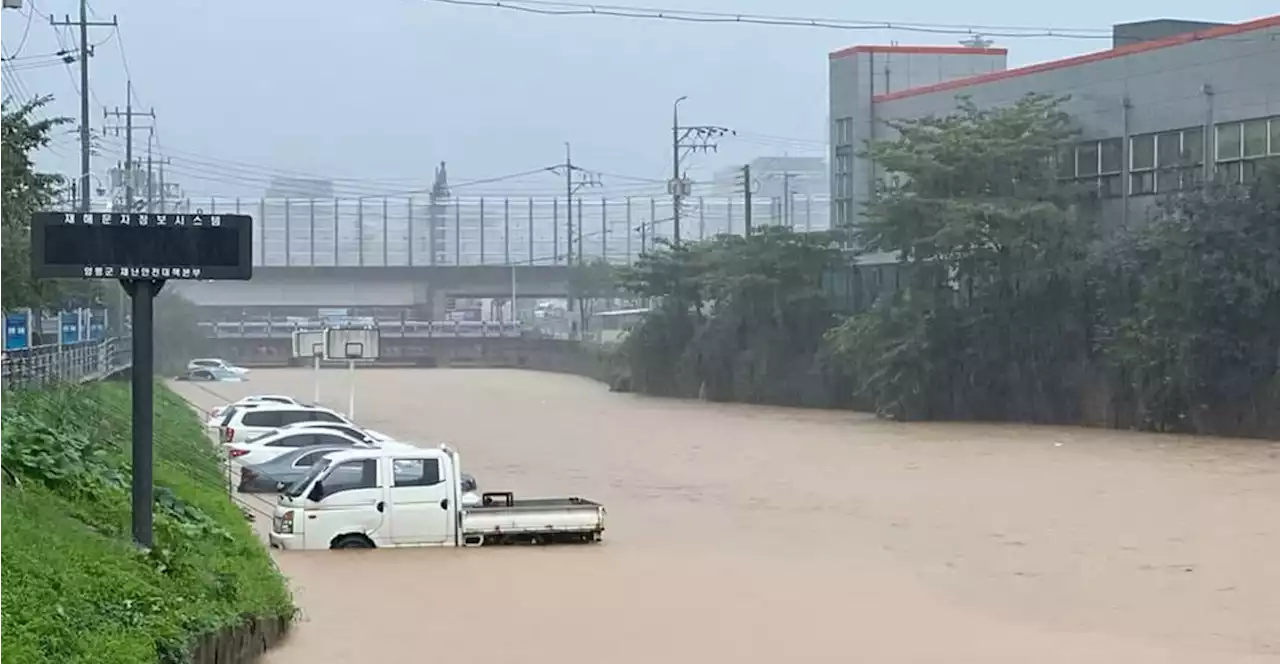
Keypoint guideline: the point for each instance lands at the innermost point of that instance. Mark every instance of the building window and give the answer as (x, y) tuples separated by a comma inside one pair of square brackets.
[(1255, 138), (1112, 155), (843, 161), (1094, 164), (1142, 163), (1087, 159), (1142, 152), (1166, 162), (1193, 146), (843, 131), (1228, 141), (1240, 146)]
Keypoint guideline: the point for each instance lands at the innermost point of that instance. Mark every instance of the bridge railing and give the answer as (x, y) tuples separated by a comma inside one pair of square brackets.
[(387, 328), (50, 364)]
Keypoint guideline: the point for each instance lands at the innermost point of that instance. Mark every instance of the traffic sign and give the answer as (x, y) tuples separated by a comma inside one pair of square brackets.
[(152, 246)]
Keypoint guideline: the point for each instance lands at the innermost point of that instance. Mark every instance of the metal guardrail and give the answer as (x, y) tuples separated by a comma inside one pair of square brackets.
[(387, 328), (51, 364)]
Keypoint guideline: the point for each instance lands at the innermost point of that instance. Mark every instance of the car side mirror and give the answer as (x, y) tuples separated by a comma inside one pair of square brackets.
[(317, 492), (279, 487)]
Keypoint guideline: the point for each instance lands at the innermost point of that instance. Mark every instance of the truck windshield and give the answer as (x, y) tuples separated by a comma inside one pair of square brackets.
[(318, 468)]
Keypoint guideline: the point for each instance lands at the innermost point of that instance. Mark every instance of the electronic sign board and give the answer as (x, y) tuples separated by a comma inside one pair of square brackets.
[(157, 246)]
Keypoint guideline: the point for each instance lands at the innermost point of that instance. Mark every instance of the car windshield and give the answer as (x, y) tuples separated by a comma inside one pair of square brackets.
[(295, 490)]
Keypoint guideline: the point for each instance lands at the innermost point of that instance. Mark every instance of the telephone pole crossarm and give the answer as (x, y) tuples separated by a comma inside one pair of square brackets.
[(686, 140), (128, 114), (86, 50)]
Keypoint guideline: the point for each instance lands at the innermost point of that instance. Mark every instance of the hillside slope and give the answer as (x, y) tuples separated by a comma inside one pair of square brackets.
[(75, 588)]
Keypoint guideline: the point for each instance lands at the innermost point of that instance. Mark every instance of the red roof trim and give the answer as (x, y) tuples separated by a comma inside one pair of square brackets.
[(918, 50), (1129, 49)]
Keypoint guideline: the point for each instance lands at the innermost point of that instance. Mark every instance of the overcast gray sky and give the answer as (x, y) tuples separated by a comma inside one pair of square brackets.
[(379, 91)]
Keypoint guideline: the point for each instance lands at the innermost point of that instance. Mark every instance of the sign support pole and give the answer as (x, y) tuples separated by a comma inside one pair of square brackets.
[(142, 292), (351, 397)]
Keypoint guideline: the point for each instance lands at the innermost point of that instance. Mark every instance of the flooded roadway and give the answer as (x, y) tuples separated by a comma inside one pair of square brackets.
[(750, 534)]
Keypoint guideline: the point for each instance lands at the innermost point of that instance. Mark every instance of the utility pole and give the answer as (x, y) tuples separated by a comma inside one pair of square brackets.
[(585, 179), (786, 199), (568, 199), (86, 50), (164, 194), (695, 138), (129, 114), (748, 188), (151, 196)]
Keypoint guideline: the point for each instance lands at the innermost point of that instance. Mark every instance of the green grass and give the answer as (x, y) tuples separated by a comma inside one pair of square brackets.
[(76, 590)]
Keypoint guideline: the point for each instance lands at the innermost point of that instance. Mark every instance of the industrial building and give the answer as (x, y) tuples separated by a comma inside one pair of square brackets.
[(1169, 104)]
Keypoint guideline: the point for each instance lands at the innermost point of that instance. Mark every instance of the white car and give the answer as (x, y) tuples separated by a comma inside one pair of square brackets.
[(249, 421), (272, 445), (215, 363), (219, 414), (218, 411), (265, 448), (361, 433)]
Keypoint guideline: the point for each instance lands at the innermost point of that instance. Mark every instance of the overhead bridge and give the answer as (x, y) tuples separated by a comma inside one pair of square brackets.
[(413, 343), (424, 288)]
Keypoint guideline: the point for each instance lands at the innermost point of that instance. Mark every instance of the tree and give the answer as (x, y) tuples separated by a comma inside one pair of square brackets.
[(26, 190), (991, 311), (738, 319), (1199, 343)]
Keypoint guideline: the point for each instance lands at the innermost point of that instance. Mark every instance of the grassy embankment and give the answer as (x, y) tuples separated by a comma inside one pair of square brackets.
[(76, 590)]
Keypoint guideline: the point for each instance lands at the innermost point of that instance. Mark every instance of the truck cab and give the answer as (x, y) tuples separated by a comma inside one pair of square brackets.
[(401, 497)]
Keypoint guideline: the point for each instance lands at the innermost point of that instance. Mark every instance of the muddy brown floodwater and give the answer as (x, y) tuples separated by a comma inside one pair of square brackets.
[(750, 534)]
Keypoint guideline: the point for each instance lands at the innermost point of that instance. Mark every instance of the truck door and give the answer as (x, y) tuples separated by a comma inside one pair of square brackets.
[(348, 504), (420, 503)]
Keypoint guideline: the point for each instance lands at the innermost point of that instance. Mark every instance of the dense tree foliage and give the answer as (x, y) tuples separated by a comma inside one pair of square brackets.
[(27, 190), (1198, 346), (991, 318), (1012, 297), (736, 319)]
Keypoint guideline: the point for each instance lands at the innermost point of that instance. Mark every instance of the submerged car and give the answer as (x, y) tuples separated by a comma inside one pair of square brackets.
[(216, 363), (212, 375), (274, 475)]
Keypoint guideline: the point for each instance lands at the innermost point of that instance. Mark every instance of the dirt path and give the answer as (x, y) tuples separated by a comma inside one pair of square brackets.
[(748, 534)]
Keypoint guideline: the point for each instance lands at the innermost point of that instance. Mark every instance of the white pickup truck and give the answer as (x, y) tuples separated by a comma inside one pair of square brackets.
[(394, 497)]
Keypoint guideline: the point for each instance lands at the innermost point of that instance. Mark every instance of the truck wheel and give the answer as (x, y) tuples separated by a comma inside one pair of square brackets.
[(351, 542)]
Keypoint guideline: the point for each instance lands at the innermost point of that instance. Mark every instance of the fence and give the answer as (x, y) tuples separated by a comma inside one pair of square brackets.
[(492, 230), (48, 364)]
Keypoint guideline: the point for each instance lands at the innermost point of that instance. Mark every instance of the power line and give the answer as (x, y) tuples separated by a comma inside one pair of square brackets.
[(550, 8), (26, 31), (209, 171)]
